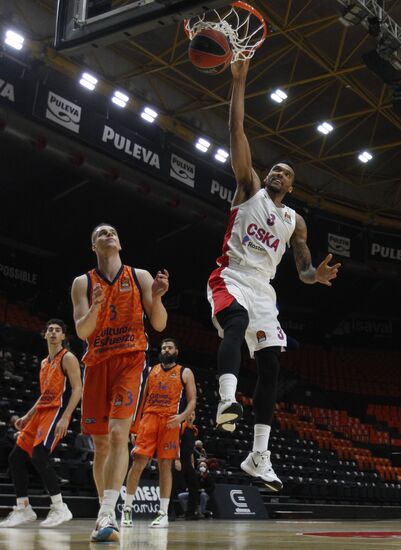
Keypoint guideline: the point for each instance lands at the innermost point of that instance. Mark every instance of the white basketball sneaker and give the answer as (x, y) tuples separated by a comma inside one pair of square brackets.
[(19, 516), (259, 465), (57, 516), (161, 522), (126, 517), (106, 530), (228, 413)]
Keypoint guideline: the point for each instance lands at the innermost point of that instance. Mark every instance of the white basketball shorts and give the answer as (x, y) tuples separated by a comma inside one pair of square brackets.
[(254, 292)]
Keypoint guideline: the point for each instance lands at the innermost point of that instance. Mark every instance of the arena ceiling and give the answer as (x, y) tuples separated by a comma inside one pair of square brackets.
[(308, 52)]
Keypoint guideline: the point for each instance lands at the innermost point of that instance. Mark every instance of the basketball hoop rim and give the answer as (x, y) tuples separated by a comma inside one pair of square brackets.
[(246, 7)]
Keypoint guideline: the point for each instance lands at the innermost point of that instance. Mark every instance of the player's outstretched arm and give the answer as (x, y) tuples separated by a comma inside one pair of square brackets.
[(152, 292), (308, 274), (71, 368), (85, 316), (248, 182)]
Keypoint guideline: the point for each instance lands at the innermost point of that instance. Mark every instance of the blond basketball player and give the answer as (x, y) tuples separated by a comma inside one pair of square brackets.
[(109, 307)]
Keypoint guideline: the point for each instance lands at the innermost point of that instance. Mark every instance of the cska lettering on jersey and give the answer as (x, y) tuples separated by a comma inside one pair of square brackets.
[(263, 236), (7, 90), (123, 143)]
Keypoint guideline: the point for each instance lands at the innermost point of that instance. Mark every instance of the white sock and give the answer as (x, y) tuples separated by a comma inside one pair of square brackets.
[(261, 433), (57, 500), (109, 502), (164, 502), (227, 386), (128, 500), (22, 502)]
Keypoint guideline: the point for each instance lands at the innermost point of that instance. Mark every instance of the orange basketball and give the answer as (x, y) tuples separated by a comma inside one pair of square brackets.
[(210, 51)]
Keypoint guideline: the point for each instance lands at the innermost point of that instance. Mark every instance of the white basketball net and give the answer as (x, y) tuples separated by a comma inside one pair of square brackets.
[(245, 31)]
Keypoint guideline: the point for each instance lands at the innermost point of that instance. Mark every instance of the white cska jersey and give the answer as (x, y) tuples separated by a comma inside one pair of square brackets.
[(257, 234)]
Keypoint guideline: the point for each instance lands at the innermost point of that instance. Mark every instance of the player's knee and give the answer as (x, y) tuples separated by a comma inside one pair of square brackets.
[(118, 436), (268, 361), (40, 457), (234, 321), (101, 444)]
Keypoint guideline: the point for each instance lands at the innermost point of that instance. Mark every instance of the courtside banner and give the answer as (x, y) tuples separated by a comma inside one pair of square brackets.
[(146, 501), (17, 87), (238, 502), (384, 247)]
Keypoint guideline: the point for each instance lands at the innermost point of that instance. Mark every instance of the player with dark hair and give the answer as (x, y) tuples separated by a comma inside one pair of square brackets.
[(239, 290), (42, 427), (170, 398), (109, 307)]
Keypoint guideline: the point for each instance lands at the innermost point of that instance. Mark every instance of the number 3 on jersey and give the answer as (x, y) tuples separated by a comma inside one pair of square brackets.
[(113, 312)]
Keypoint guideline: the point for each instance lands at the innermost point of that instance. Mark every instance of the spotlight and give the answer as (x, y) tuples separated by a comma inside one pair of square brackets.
[(120, 99), (14, 40), (202, 145), (88, 81), (325, 128), (365, 157), (278, 96), (221, 155), (149, 114)]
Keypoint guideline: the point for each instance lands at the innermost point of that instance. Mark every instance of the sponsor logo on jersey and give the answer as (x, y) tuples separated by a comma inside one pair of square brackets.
[(89, 421), (261, 336), (7, 90), (173, 375), (63, 112), (182, 170), (118, 401), (125, 284), (261, 235), (339, 245), (287, 217)]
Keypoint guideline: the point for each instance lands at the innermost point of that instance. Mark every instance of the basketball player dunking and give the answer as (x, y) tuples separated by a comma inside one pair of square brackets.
[(242, 299), (109, 306)]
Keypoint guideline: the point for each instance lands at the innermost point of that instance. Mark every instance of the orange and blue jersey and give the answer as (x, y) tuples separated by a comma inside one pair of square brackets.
[(165, 391), (55, 389), (120, 322)]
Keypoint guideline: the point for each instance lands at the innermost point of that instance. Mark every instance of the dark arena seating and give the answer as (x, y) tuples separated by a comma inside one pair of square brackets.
[(328, 456)]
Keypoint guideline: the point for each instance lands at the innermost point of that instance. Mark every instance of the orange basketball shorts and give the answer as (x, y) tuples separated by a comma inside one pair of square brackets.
[(155, 439), (112, 389), (40, 430)]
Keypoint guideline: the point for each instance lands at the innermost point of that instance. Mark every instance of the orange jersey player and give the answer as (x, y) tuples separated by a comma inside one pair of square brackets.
[(110, 303), (170, 398), (42, 427)]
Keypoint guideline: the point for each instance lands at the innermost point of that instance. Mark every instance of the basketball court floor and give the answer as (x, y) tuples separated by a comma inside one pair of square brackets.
[(214, 535)]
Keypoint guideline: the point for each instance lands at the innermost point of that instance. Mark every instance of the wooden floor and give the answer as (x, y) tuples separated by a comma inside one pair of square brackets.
[(214, 535)]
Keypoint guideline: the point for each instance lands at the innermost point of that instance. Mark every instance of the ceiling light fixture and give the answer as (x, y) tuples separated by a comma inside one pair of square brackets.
[(278, 96), (88, 81), (149, 114), (14, 40), (202, 145)]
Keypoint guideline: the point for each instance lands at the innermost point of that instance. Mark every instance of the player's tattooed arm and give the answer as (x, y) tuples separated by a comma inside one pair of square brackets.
[(324, 273)]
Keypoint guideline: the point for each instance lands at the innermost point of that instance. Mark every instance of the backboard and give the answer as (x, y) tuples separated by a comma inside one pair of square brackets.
[(99, 22)]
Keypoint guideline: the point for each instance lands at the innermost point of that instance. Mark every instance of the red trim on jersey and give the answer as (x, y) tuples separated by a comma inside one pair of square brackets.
[(221, 297)]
